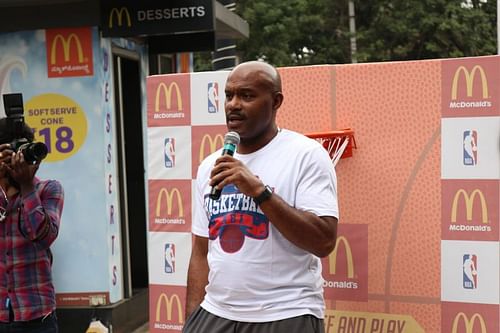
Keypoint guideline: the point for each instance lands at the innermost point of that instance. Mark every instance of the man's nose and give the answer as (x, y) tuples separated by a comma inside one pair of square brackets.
[(233, 103)]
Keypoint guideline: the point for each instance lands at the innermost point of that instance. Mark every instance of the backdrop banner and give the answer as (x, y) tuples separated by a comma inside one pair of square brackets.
[(418, 238)]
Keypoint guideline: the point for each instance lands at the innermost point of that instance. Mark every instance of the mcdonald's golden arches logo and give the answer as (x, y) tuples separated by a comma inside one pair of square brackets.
[(69, 52), (211, 143), (333, 257), (469, 81), (469, 205), (469, 324), (66, 43), (169, 306), (167, 93), (120, 14), (169, 196)]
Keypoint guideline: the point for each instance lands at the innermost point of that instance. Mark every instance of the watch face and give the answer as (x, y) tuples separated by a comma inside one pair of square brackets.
[(268, 190)]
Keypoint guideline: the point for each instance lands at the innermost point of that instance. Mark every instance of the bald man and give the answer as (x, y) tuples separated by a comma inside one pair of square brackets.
[(255, 264)]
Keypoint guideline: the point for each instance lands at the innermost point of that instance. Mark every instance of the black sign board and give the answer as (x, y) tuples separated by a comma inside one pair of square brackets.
[(192, 42), (129, 18)]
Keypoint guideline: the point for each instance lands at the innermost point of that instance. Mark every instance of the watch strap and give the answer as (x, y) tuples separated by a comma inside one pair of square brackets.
[(265, 195)]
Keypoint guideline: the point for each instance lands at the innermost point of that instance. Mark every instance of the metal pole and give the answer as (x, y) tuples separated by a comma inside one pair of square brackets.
[(224, 57), (352, 31)]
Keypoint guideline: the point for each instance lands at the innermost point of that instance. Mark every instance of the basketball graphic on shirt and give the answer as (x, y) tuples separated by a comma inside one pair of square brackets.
[(231, 238), (233, 217)]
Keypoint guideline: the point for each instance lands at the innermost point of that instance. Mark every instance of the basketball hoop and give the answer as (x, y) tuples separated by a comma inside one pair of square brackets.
[(338, 143)]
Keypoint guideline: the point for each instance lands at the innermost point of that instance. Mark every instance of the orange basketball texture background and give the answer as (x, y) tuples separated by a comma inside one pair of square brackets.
[(392, 182)]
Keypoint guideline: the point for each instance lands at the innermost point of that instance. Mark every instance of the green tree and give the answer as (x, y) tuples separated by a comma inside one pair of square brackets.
[(304, 32), (425, 29), (295, 32)]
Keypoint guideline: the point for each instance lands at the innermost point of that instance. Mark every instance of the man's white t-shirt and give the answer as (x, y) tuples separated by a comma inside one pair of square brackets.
[(256, 275)]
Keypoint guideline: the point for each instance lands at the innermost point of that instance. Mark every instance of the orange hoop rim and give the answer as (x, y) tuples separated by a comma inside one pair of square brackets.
[(330, 134), (345, 132)]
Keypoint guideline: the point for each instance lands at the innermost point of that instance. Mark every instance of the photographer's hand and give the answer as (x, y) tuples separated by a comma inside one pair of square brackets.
[(22, 172), (5, 157)]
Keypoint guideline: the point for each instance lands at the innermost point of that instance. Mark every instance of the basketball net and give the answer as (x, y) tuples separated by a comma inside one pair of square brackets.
[(338, 143)]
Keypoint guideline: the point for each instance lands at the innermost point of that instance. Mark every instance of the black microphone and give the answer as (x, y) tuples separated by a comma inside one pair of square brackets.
[(231, 140)]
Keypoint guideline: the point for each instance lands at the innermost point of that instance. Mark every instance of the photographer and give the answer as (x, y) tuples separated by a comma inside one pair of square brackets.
[(30, 214)]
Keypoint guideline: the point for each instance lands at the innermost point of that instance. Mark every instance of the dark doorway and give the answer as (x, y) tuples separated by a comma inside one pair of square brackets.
[(131, 170)]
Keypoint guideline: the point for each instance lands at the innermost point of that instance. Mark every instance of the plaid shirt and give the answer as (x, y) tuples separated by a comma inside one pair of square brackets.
[(26, 234)]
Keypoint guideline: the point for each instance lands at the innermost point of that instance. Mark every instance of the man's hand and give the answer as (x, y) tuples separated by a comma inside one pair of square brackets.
[(5, 153), (228, 170), (21, 171)]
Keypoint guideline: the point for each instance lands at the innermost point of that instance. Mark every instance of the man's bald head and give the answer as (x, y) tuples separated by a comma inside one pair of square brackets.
[(264, 71)]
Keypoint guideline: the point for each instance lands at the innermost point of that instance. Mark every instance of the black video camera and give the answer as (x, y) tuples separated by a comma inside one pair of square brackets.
[(33, 152)]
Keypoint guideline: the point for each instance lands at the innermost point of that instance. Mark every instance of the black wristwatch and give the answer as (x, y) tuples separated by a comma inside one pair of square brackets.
[(266, 194)]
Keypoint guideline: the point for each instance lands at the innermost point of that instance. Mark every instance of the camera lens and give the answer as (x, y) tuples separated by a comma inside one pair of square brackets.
[(34, 151)]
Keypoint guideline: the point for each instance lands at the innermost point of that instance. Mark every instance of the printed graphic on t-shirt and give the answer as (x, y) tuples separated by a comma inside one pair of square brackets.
[(233, 217)]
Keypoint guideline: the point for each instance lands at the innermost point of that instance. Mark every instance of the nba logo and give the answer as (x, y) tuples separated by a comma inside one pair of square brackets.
[(470, 147), (169, 152), (213, 97), (169, 258), (470, 271)]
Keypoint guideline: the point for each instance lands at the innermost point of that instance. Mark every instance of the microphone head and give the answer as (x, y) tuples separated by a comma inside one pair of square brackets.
[(232, 138)]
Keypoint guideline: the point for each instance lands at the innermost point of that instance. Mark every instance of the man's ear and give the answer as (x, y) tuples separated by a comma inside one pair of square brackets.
[(277, 100)]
